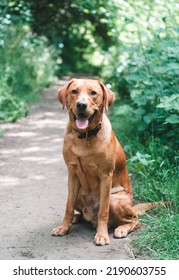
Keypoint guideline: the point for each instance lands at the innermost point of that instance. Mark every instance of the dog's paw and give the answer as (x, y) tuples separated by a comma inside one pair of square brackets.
[(120, 232), (101, 239), (60, 230)]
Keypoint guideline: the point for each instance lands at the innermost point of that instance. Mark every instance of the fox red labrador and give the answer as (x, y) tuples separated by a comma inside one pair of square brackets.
[(99, 187)]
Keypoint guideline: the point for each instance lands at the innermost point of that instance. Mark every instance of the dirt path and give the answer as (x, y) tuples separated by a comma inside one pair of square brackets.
[(33, 191)]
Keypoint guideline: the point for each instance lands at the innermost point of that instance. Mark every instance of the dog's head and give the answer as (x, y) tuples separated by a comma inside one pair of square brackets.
[(85, 100)]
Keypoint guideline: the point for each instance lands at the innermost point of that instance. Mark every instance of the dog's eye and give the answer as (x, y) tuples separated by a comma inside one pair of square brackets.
[(93, 92), (74, 91)]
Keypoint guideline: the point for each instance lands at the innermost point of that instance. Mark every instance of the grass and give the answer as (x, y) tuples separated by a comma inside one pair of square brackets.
[(154, 176), (160, 240), (154, 182)]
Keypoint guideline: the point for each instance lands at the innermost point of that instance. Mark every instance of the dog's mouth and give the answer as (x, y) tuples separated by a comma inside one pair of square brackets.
[(82, 121)]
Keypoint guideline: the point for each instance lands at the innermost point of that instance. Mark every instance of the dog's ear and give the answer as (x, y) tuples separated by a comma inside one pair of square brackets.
[(62, 93), (109, 96)]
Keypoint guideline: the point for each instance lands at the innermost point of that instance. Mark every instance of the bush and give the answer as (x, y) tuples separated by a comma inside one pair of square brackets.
[(11, 108), (27, 64), (143, 70), (150, 83)]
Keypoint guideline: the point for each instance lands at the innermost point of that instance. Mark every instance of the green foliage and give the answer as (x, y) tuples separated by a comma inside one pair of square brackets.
[(27, 63), (144, 159), (160, 240), (15, 11), (80, 30), (11, 108), (26, 60), (151, 81), (152, 185), (155, 174), (154, 178), (144, 68)]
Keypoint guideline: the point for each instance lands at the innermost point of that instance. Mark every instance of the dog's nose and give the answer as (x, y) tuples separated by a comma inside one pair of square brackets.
[(81, 106)]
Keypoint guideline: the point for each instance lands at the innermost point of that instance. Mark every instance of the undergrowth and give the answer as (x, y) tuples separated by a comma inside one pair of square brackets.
[(153, 170), (143, 70)]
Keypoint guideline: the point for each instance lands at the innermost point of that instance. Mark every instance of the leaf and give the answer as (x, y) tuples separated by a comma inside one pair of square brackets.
[(169, 103), (123, 110), (173, 119), (148, 118), (137, 97), (142, 127), (144, 159)]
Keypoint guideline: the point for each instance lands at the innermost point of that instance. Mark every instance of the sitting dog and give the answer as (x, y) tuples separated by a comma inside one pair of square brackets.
[(96, 163)]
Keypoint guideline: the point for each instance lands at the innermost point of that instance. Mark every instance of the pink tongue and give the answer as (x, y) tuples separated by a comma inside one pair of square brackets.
[(82, 124)]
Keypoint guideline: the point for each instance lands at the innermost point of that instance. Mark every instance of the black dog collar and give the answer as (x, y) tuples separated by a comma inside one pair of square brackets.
[(90, 133)]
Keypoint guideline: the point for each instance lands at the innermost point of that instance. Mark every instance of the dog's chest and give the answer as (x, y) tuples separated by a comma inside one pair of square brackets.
[(85, 166), (88, 162)]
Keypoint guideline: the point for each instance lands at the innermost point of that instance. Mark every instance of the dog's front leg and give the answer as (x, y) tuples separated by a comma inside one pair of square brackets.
[(102, 237), (73, 189)]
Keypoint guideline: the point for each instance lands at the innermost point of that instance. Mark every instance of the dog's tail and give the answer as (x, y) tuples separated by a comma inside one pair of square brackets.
[(142, 207)]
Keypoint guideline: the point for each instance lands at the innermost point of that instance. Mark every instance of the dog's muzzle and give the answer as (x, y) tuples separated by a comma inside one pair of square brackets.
[(82, 121)]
